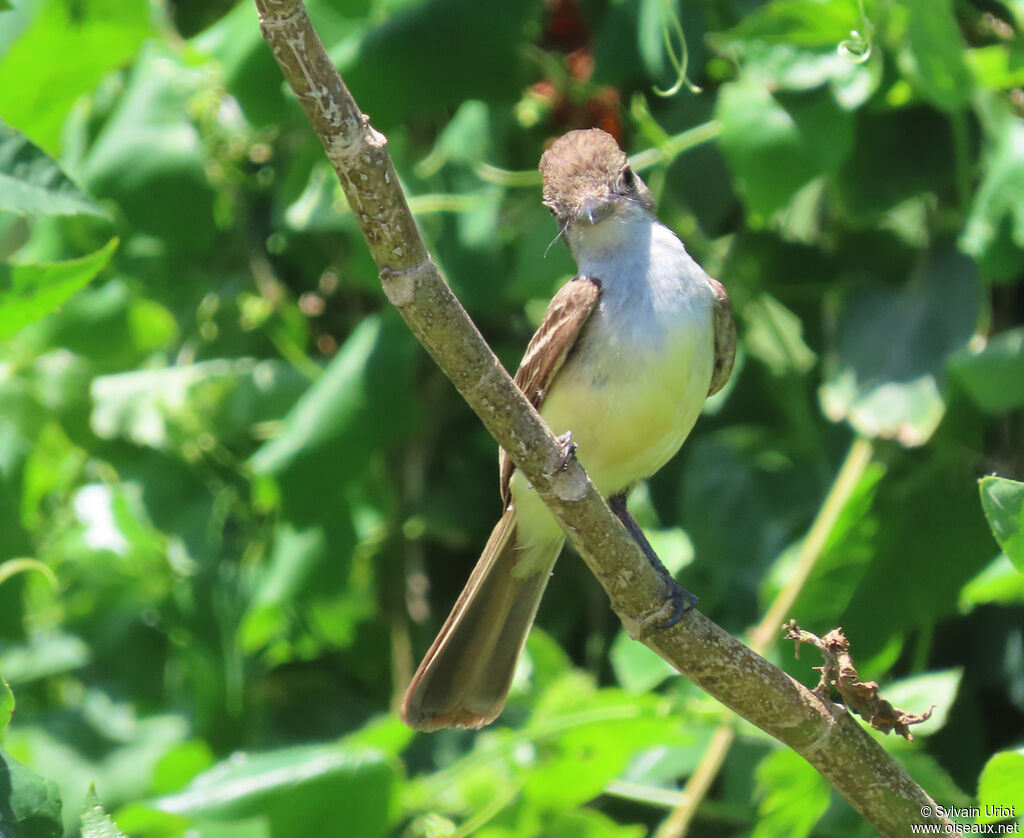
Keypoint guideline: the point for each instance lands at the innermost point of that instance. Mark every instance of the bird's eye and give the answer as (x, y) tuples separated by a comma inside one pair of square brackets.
[(627, 178)]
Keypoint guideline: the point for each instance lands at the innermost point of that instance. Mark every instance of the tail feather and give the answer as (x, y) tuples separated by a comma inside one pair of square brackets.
[(466, 674)]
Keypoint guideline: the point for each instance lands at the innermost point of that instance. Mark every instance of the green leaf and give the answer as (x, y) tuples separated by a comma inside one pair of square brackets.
[(897, 155), (919, 692), (385, 734), (797, 45), (96, 823), (637, 669), (994, 376), (298, 790), (999, 583), (63, 54), (587, 823), (180, 764), (6, 707), (776, 142), (650, 37), (598, 732), (29, 804), (419, 58), (891, 349), (167, 408), (793, 795), (774, 335), (994, 229), (933, 54), (1001, 787), (248, 68), (42, 655), (294, 559), (31, 182), (361, 400), (30, 292), (822, 23), (1003, 502), (149, 157), (997, 67), (844, 560), (111, 326)]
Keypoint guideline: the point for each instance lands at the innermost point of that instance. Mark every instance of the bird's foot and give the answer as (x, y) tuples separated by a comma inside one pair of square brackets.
[(567, 448), (680, 598)]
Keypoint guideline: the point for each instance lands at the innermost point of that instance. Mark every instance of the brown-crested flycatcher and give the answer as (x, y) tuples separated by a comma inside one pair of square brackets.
[(626, 354)]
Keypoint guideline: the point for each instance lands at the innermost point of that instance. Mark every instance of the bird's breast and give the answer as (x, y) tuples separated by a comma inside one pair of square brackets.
[(632, 389)]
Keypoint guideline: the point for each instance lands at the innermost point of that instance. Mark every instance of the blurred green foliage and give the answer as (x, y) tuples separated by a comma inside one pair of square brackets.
[(227, 472)]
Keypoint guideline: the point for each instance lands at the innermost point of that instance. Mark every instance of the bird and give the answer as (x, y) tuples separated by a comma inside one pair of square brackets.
[(621, 364)]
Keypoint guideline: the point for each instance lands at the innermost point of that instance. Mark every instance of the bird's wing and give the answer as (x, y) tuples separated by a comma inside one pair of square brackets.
[(550, 345), (725, 337)]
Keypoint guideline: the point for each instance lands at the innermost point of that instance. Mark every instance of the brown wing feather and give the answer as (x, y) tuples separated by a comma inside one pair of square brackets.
[(549, 347), (725, 338)]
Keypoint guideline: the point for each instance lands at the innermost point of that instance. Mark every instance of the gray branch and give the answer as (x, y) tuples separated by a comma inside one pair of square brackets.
[(823, 733)]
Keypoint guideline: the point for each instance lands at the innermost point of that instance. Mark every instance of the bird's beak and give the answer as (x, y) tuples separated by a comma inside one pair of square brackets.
[(593, 210)]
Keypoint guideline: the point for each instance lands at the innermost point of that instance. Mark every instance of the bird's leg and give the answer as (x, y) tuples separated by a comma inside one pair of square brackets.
[(682, 600)]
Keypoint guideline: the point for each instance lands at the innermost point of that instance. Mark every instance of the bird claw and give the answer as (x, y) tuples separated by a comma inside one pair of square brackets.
[(567, 448), (682, 601)]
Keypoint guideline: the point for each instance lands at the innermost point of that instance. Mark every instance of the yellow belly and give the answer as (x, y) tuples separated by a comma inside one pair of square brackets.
[(628, 416)]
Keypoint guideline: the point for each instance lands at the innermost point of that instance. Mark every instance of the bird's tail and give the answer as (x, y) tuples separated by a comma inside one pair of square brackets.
[(466, 675)]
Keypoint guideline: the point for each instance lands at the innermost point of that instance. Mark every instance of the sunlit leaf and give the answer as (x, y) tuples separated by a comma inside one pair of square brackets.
[(932, 55), (66, 51), (1003, 502), (96, 823), (588, 823), (171, 407), (1001, 787), (775, 142), (793, 795), (637, 668), (110, 325), (292, 563), (845, 557), (1000, 582), (596, 733), (919, 692), (30, 292), (6, 707), (182, 763), (297, 789), (43, 655)]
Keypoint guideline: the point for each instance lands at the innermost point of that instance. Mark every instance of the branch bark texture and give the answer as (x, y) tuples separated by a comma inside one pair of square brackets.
[(846, 755)]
